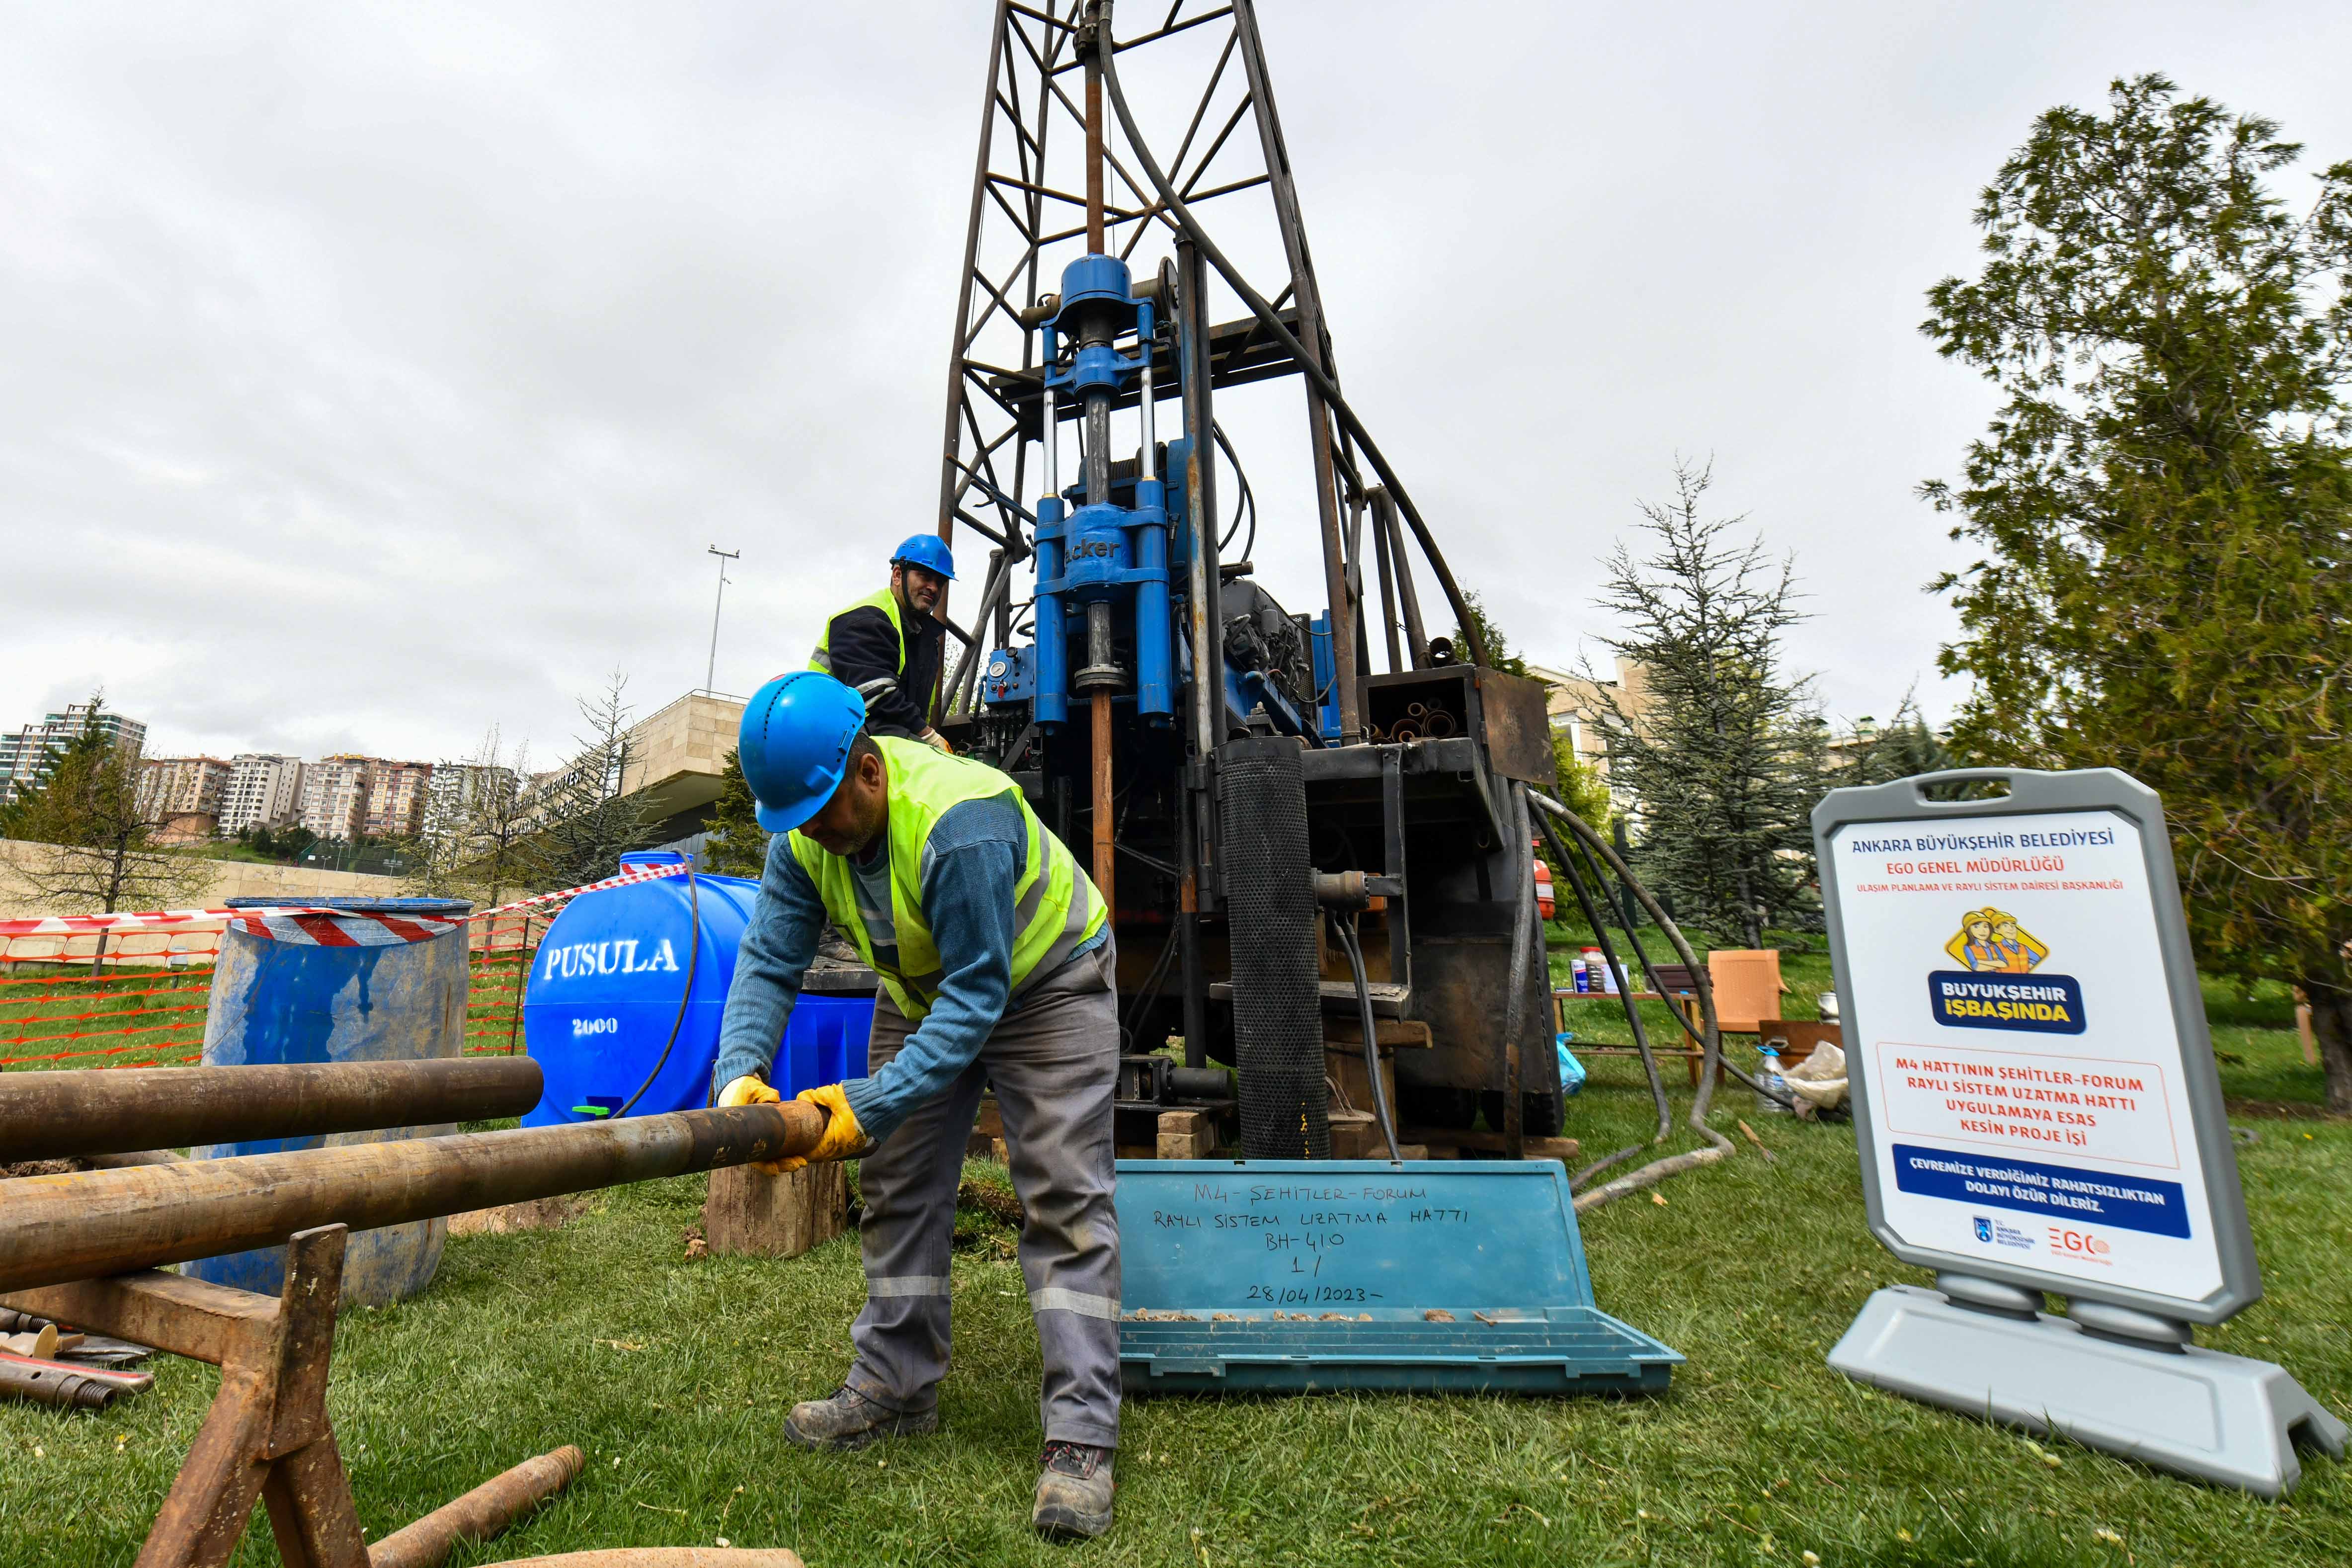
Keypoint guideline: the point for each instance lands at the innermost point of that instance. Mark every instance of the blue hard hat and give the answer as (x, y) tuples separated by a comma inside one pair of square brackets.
[(794, 745), (927, 551)]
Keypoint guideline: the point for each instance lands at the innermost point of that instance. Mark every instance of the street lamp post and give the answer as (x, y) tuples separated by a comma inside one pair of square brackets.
[(710, 675)]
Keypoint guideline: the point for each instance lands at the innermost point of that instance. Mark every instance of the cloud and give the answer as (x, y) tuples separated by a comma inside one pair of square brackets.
[(377, 373)]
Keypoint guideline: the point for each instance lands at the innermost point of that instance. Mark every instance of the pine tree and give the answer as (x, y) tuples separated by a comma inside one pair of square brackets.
[(1725, 763), (738, 845)]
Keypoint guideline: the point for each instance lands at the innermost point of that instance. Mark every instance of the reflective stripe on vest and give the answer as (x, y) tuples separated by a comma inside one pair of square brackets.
[(1055, 904), (821, 657)]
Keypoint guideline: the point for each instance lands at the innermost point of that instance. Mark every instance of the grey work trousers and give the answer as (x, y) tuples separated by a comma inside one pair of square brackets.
[(1053, 1060)]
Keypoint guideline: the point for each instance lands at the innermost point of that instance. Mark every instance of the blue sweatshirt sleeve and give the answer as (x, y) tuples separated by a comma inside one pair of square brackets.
[(778, 944), (968, 874)]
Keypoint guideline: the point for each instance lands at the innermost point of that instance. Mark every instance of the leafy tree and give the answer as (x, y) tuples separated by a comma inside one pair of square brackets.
[(1580, 788), (1726, 762), (590, 817), (1499, 649), (738, 845), (104, 859), (2165, 507)]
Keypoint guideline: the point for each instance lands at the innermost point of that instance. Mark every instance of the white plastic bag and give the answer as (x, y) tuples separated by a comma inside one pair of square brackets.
[(1817, 1083)]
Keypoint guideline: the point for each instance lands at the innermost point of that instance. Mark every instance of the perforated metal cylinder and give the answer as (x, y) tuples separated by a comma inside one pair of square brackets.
[(1271, 911)]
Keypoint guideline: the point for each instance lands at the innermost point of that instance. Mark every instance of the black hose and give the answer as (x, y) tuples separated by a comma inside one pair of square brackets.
[(1711, 1043), (1625, 985), (1265, 313), (1683, 948), (684, 996), (1346, 932), (1524, 940), (1247, 498)]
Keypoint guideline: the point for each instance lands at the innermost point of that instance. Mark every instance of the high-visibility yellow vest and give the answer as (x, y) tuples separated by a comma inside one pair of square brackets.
[(821, 657), (1055, 906)]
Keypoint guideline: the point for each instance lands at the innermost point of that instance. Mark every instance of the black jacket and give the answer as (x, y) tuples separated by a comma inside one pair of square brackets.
[(863, 647)]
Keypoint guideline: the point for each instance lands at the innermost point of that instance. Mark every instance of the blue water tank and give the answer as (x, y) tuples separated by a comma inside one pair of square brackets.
[(603, 995)]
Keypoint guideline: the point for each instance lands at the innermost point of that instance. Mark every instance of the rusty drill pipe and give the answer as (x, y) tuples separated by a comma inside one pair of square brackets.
[(665, 1557), (51, 1115), (90, 1224), (480, 1513), (45, 1385)]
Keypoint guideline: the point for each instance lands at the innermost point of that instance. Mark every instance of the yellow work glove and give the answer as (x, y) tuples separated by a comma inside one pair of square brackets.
[(749, 1089), (938, 741), (843, 1139)]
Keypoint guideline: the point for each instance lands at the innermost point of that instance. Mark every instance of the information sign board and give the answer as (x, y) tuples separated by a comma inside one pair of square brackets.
[(2034, 1090)]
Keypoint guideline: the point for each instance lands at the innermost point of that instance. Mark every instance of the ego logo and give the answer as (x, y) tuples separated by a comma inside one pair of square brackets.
[(2078, 1244)]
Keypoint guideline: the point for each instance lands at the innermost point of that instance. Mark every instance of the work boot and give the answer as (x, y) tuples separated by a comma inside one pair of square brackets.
[(850, 1420), (1073, 1493)]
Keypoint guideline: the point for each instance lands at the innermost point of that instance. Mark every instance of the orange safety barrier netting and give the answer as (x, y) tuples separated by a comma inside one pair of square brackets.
[(56, 984)]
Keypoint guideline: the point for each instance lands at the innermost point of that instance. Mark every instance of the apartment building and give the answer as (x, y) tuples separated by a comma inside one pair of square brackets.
[(265, 789), (335, 796), (178, 786), (397, 796), (25, 753), (457, 792)]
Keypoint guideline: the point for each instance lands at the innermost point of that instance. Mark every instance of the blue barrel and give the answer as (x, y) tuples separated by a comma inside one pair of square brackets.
[(604, 995), (288, 1001)]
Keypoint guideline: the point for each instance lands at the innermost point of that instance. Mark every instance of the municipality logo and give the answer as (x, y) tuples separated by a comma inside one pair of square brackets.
[(1983, 1224), (1999, 985)]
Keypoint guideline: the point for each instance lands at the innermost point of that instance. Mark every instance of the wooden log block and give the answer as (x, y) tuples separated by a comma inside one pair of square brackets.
[(991, 1120), (760, 1216), (1356, 1136), (1446, 1142), (1411, 1034), (1186, 1135), (1345, 1067)]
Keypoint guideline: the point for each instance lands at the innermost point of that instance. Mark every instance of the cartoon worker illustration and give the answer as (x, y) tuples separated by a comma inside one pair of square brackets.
[(2018, 952), (1990, 942)]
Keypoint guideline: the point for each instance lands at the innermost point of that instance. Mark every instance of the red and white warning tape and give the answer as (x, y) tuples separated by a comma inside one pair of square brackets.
[(635, 874), (309, 923)]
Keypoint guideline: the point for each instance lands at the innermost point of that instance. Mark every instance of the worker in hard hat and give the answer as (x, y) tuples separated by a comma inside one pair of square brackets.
[(886, 647), (997, 964)]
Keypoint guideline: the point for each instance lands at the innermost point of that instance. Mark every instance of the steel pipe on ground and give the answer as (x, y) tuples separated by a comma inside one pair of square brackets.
[(50, 1115), (665, 1557), (480, 1513), (90, 1224)]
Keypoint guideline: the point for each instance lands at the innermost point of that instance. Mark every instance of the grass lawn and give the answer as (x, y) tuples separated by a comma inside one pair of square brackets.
[(673, 1376)]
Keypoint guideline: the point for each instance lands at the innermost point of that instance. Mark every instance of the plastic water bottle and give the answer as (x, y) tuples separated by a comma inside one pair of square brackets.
[(1580, 976), (1767, 1076)]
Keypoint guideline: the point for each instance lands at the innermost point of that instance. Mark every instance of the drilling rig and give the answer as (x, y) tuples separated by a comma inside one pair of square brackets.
[(1293, 846)]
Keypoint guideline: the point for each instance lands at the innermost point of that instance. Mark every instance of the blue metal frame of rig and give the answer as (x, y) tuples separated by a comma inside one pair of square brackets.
[(1093, 552), (1102, 552)]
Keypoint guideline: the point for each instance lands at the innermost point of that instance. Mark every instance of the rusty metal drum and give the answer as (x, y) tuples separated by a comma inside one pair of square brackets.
[(381, 979)]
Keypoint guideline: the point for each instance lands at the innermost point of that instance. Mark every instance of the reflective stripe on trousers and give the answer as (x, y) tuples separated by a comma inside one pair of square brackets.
[(1053, 1060)]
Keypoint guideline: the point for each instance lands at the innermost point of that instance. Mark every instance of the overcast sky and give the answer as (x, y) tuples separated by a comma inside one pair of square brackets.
[(371, 374)]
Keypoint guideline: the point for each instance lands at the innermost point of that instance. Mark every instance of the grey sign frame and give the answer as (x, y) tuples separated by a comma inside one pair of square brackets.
[(2028, 792)]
